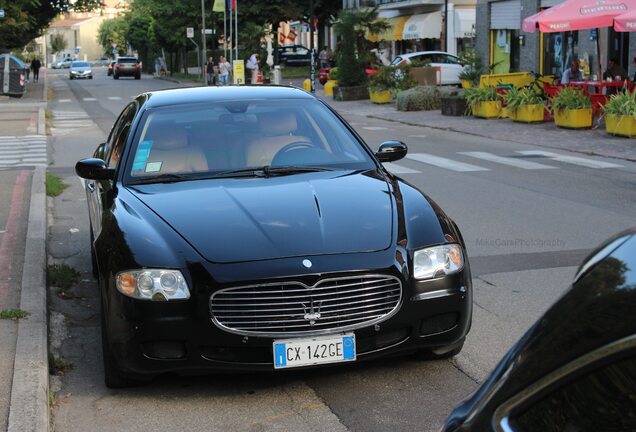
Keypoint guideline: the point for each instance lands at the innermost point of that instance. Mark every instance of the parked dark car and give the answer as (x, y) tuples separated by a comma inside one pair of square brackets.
[(251, 229), (575, 369), (295, 55), (111, 68), (127, 66)]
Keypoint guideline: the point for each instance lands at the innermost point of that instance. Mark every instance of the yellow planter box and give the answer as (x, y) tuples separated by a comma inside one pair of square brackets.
[(517, 79), (380, 97), (528, 114), (487, 110), (623, 125), (329, 85), (466, 84), (573, 119)]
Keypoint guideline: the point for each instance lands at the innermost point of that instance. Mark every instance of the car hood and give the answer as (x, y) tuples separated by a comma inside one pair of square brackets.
[(237, 220)]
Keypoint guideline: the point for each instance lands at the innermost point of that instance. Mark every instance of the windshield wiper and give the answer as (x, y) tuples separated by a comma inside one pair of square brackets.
[(162, 178), (268, 170)]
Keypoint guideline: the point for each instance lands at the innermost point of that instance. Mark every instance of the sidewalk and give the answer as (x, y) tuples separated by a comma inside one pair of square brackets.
[(24, 363)]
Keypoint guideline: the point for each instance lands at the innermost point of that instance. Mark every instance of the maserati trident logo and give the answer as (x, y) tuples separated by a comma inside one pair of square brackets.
[(312, 312)]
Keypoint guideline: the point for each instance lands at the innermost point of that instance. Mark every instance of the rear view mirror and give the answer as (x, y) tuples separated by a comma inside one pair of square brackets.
[(391, 151), (94, 169)]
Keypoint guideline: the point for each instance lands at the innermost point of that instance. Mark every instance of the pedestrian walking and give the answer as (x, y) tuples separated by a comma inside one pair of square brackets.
[(157, 67), (324, 56), (209, 70), (224, 70), (252, 65), (35, 67), (27, 70)]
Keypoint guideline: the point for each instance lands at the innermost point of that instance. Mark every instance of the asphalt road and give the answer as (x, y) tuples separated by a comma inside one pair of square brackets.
[(528, 219)]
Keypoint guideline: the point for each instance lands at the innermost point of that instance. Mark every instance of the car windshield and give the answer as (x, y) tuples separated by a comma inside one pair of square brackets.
[(80, 64), (241, 138)]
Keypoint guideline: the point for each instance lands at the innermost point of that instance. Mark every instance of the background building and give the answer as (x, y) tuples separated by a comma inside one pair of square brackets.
[(418, 25), (502, 43)]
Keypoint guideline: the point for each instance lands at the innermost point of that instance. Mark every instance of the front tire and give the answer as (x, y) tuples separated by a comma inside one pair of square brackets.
[(115, 76)]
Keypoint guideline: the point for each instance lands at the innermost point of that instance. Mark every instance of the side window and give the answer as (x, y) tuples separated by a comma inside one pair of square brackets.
[(119, 135), (302, 51), (601, 400), (450, 59)]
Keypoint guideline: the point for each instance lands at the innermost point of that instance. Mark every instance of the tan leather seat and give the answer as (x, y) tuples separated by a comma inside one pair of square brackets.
[(170, 148), (276, 129)]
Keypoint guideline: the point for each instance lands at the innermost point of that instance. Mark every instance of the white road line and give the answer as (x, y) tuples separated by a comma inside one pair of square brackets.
[(89, 99), (114, 98), (589, 163), (399, 169), (518, 163), (374, 128), (444, 163), (416, 136), (64, 100)]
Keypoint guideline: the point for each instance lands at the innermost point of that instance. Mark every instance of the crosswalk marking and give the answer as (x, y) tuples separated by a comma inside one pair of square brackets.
[(89, 99), (374, 128), (29, 150), (399, 169), (68, 122), (64, 100), (589, 163), (114, 98), (444, 162), (517, 163)]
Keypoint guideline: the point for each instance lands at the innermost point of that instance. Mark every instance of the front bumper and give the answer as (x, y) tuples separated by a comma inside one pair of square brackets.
[(150, 338)]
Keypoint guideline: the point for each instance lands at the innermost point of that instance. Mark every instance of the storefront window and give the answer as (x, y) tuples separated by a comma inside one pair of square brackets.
[(560, 50), (505, 51)]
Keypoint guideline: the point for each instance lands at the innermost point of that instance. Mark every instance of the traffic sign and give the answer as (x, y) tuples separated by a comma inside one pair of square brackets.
[(1, 13), (77, 50), (190, 32), (114, 52), (208, 31)]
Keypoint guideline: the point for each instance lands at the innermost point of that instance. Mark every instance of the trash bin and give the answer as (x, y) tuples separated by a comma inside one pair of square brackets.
[(12, 76)]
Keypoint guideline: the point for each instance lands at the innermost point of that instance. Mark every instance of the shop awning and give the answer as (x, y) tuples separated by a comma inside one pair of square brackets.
[(423, 26), (625, 22), (394, 32), (464, 23), (577, 15)]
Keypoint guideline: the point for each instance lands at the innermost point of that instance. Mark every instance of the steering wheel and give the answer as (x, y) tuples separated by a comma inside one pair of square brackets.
[(296, 145)]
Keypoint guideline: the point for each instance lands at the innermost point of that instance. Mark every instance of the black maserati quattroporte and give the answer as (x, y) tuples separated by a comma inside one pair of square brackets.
[(244, 229)]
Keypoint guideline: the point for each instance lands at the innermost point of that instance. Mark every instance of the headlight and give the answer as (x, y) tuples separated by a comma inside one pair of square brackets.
[(156, 284), (437, 261)]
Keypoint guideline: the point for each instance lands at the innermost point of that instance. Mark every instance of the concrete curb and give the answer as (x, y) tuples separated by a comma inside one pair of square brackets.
[(29, 409)]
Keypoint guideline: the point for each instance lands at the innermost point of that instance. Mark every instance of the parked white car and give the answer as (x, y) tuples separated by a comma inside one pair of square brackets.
[(450, 65)]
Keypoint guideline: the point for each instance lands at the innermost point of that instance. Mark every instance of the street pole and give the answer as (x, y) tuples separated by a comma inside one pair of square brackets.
[(445, 48), (203, 57), (312, 48), (236, 26)]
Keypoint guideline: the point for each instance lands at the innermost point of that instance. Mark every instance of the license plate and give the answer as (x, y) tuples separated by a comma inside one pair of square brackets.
[(312, 351)]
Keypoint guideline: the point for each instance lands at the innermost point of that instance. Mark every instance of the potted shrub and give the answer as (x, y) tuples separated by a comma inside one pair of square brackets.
[(525, 105), (571, 108), (473, 69), (422, 73), (381, 84), (454, 103), (620, 114), (351, 75), (331, 82), (484, 102)]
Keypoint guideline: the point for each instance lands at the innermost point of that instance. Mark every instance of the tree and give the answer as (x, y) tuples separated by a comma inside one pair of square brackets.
[(58, 43), (141, 36), (111, 32), (350, 70), (27, 19)]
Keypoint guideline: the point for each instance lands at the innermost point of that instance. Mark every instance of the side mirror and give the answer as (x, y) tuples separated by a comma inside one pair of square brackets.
[(391, 151), (100, 152), (94, 169)]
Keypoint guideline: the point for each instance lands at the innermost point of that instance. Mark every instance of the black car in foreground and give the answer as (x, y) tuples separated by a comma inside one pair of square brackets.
[(251, 229), (127, 66), (575, 369)]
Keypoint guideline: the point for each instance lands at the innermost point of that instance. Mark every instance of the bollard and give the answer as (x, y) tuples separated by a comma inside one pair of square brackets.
[(277, 75), (307, 85)]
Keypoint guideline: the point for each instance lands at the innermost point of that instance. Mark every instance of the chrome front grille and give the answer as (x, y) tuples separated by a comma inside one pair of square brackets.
[(293, 308)]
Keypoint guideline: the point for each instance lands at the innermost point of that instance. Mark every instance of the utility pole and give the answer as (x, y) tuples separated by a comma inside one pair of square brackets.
[(203, 38), (312, 48), (445, 47)]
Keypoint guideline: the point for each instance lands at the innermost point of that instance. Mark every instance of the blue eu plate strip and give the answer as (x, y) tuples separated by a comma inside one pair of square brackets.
[(349, 348), (279, 354)]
